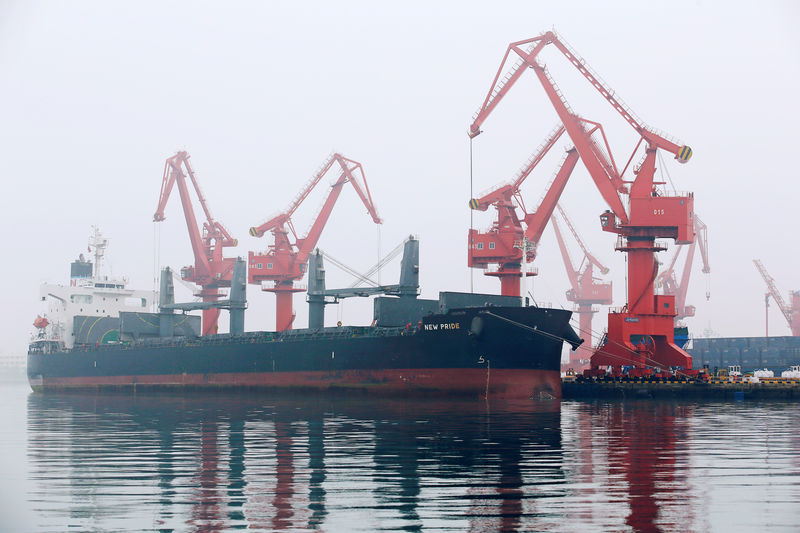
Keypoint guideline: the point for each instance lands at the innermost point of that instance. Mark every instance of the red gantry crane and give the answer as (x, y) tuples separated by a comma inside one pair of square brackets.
[(211, 271), (790, 311), (641, 334), (502, 243), (667, 280), (286, 261), (586, 290)]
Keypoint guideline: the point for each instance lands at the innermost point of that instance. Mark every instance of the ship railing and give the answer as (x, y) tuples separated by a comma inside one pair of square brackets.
[(679, 194), (252, 337)]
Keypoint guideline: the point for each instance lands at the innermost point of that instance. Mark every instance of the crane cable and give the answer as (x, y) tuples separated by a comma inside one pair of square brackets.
[(378, 226), (562, 339), (156, 263), (471, 219), (665, 170)]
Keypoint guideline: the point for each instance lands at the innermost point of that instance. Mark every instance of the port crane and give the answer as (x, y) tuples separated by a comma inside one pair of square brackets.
[(585, 291), (286, 261), (211, 271), (505, 242), (641, 334), (669, 283), (791, 312)]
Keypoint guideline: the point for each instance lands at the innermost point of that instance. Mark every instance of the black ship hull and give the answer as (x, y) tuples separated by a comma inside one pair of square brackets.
[(497, 351)]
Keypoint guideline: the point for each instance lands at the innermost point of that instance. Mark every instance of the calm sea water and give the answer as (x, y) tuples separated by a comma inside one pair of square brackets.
[(237, 461)]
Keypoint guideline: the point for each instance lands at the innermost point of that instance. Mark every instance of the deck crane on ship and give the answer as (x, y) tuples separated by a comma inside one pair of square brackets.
[(585, 291), (286, 262), (211, 271), (640, 335), (503, 243)]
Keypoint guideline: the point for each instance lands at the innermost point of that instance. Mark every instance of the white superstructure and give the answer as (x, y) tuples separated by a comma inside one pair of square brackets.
[(89, 293)]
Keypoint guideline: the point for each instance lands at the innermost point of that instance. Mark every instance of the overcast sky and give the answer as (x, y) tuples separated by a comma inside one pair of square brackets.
[(94, 96)]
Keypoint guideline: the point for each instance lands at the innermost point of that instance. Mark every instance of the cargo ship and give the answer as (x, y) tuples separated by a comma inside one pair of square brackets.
[(461, 344)]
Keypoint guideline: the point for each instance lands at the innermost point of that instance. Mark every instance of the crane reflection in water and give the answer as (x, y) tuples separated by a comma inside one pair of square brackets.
[(222, 462)]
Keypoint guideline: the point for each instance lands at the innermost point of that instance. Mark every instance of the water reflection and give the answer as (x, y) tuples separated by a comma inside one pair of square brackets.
[(643, 451), (200, 463)]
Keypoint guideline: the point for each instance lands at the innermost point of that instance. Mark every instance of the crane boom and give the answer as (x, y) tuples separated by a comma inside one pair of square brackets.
[(601, 169), (500, 88), (683, 286), (649, 134), (701, 230), (211, 270), (774, 292), (506, 191), (283, 217), (200, 197), (173, 173), (668, 280), (585, 291), (364, 195), (285, 261), (606, 181), (572, 273), (537, 221), (307, 244), (589, 256)]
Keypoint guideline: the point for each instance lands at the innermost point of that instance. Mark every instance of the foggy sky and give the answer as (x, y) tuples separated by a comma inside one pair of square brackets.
[(94, 96)]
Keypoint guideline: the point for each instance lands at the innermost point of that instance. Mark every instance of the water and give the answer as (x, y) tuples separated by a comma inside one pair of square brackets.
[(237, 461)]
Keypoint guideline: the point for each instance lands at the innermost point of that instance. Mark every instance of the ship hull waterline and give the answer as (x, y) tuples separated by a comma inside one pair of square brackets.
[(513, 353), (501, 383)]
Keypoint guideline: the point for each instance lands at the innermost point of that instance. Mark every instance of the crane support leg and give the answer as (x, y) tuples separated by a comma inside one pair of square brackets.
[(283, 310), (210, 319), (643, 335), (284, 305), (642, 341), (509, 275), (509, 284), (210, 316), (642, 272), (585, 313)]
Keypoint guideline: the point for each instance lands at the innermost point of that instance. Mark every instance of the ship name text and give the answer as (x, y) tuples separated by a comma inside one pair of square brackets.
[(442, 326)]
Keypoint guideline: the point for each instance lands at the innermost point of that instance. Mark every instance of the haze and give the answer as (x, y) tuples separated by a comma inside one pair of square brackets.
[(94, 96)]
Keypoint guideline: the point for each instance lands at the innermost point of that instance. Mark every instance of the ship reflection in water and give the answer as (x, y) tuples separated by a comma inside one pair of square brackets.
[(217, 463)]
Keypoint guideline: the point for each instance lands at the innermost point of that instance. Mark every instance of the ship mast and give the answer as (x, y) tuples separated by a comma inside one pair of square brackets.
[(99, 243)]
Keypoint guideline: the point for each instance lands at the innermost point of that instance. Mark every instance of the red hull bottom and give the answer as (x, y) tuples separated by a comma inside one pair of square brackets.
[(500, 383)]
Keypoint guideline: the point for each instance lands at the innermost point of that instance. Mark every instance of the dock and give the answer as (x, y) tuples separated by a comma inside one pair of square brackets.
[(680, 389)]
